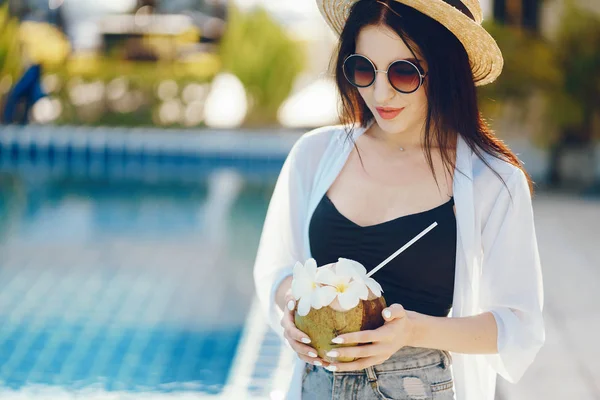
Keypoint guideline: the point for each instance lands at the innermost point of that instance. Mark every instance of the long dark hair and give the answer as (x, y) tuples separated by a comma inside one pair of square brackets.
[(450, 88)]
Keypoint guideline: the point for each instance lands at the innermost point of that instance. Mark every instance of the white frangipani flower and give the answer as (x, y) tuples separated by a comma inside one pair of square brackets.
[(346, 280), (360, 274), (306, 290), (348, 291)]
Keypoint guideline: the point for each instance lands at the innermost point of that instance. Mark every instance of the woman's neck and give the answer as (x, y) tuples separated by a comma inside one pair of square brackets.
[(397, 142)]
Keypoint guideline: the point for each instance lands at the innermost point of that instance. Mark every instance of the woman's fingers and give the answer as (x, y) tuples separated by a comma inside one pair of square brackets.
[(293, 331), (288, 321), (316, 361), (305, 352), (357, 351), (297, 339), (290, 303), (290, 300)]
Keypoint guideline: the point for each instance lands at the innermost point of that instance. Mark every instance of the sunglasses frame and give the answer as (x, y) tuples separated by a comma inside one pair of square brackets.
[(421, 76)]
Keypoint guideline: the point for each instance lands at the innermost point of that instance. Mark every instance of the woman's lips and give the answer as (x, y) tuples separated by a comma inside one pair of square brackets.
[(389, 113)]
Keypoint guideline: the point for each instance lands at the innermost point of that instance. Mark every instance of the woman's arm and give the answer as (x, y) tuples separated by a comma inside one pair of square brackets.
[(284, 286), (471, 335), (476, 335), (511, 328), (279, 245)]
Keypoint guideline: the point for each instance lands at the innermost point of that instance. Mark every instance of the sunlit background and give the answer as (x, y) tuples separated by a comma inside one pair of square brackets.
[(140, 144)]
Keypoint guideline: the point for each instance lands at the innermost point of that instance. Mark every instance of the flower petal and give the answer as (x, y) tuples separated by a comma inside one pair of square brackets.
[(311, 268), (300, 271), (348, 300), (304, 306), (315, 299), (326, 276), (359, 289), (374, 286), (301, 286), (297, 288), (327, 294), (341, 277), (344, 267), (297, 267), (358, 267)]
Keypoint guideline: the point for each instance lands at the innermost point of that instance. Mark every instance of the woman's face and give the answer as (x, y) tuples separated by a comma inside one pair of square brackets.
[(382, 46)]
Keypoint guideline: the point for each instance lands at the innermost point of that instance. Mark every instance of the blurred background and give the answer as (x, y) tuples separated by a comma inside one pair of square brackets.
[(139, 147)]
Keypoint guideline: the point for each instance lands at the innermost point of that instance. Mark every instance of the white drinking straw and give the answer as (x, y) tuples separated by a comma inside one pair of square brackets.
[(400, 250)]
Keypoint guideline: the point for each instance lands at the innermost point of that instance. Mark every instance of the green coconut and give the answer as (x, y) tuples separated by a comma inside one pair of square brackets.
[(331, 321)]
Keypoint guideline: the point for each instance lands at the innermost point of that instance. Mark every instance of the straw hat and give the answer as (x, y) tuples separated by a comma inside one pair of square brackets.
[(461, 17)]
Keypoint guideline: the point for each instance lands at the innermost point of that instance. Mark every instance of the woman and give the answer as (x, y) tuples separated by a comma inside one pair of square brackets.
[(465, 301)]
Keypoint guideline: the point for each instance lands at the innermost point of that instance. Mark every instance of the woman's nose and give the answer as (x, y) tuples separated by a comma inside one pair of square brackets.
[(383, 91)]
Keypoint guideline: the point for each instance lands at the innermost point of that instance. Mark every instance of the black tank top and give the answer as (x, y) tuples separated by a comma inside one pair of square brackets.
[(421, 278)]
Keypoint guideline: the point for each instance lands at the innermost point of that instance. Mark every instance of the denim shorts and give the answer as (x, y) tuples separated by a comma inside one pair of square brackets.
[(412, 373)]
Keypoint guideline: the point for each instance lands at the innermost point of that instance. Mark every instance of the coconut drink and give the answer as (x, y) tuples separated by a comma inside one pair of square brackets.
[(339, 298), (335, 299)]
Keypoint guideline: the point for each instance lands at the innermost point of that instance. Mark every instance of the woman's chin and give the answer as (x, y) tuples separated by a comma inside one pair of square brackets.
[(391, 125)]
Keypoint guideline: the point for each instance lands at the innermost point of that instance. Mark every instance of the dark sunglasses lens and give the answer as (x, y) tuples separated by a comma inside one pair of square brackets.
[(404, 76), (359, 71)]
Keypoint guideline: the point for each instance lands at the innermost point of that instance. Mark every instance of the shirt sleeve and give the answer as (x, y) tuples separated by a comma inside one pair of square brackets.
[(280, 244), (511, 279)]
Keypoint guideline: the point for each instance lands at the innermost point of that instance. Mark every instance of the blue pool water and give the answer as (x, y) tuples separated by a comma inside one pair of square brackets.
[(126, 285)]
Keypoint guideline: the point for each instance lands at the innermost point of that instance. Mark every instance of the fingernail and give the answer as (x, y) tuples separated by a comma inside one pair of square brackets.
[(291, 305), (337, 340), (387, 313), (331, 368), (311, 354), (332, 353), (318, 363), (305, 340)]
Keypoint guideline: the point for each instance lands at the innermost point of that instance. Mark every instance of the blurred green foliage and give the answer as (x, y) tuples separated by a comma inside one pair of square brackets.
[(139, 81), (529, 65), (563, 71), (136, 102), (261, 54), (255, 48), (574, 102), (10, 55)]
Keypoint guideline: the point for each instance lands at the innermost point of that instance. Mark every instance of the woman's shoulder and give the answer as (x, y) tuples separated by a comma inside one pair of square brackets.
[(313, 144), (319, 137), (493, 176), (489, 165)]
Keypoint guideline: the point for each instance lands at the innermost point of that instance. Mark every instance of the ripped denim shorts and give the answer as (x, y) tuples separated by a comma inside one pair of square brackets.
[(412, 373)]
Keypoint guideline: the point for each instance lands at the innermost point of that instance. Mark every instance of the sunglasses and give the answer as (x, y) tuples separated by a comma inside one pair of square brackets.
[(403, 75)]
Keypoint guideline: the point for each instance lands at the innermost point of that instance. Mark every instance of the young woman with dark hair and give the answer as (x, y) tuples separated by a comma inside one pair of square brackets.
[(465, 301)]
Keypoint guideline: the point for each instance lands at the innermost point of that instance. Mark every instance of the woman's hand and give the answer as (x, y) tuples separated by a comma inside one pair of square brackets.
[(383, 342), (295, 337)]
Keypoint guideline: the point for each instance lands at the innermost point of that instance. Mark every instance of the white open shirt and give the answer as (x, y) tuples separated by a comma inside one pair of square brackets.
[(497, 261)]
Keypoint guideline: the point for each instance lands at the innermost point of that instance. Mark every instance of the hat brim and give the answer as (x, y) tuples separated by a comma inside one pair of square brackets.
[(484, 54)]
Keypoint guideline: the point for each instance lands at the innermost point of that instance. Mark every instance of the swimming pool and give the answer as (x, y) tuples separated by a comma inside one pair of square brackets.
[(128, 286)]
